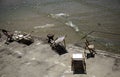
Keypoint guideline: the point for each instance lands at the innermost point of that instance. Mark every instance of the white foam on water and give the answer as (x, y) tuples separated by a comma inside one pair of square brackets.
[(109, 44), (69, 23), (44, 26), (59, 15)]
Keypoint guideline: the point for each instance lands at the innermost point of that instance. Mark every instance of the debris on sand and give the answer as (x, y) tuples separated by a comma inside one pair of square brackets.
[(17, 36), (58, 44)]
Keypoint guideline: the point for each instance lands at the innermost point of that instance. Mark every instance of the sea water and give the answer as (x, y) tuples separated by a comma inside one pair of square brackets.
[(97, 20)]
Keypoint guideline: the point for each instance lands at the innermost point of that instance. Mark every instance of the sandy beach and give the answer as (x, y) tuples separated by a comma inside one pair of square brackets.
[(39, 60)]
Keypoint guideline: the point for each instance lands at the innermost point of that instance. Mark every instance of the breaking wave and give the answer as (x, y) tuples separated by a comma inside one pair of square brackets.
[(69, 23), (44, 26), (59, 15)]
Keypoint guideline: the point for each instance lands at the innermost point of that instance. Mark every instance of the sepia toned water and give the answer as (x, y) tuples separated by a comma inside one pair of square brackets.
[(100, 19)]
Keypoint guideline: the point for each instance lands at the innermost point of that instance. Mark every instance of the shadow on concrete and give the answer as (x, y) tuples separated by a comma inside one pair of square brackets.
[(79, 72), (26, 42), (59, 49), (90, 55)]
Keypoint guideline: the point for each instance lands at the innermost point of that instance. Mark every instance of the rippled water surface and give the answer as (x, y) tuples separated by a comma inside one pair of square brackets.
[(74, 18)]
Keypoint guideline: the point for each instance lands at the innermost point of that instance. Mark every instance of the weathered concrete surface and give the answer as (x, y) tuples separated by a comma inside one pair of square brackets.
[(39, 60)]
